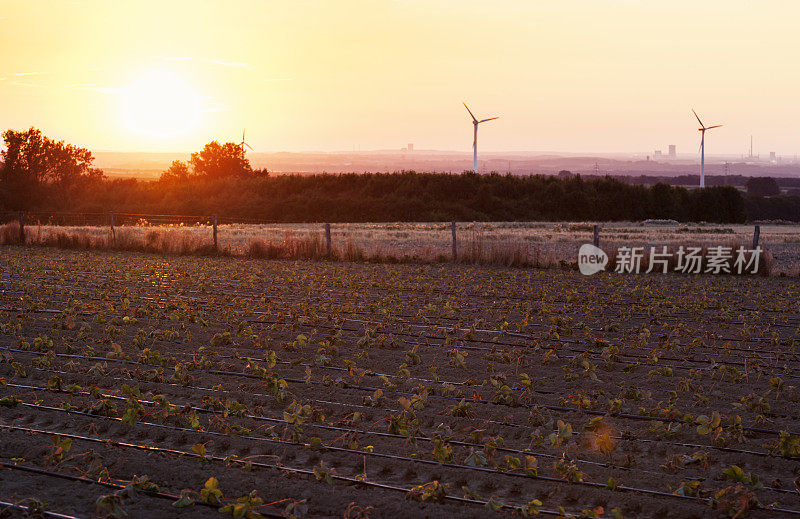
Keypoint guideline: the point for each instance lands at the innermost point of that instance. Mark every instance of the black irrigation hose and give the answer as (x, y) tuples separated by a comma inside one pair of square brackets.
[(108, 484), (314, 425), (22, 508), (335, 368), (239, 294), (442, 382), (346, 404), (341, 449), (285, 300), (735, 339), (276, 466), (357, 431), (513, 345), (575, 350), (551, 407), (389, 456), (336, 449), (528, 336), (790, 375)]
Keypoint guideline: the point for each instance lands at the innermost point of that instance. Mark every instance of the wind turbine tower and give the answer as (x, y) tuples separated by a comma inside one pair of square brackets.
[(702, 131), (475, 123), (243, 144)]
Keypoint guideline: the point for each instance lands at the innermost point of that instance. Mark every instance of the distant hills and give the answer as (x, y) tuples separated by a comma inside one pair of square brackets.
[(150, 165)]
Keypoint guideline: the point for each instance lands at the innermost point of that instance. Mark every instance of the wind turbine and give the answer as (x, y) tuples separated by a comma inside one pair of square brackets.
[(702, 131), (475, 124), (243, 144)]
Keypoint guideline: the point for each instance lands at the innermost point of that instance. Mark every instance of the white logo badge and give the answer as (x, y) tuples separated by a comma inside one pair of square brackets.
[(591, 259)]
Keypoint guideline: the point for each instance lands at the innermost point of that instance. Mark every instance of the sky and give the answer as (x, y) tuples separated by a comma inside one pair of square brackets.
[(568, 76)]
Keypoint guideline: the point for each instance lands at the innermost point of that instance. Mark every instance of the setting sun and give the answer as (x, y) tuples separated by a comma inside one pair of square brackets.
[(160, 104)]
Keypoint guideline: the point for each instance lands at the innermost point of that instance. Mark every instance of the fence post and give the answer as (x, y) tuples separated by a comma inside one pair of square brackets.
[(756, 234), (214, 223), (328, 239), (596, 237), (113, 231), (455, 249), (22, 227)]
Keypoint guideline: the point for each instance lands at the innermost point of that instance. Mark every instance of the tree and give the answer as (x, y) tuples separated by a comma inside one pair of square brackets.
[(221, 161), (35, 166), (178, 171), (664, 201), (762, 186)]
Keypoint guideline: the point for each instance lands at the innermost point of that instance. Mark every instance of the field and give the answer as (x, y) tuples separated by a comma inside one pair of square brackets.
[(181, 386), (539, 244)]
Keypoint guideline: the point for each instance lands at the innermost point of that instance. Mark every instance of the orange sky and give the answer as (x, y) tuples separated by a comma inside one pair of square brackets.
[(572, 75)]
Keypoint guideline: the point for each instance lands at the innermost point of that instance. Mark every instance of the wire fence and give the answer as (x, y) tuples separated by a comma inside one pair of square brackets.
[(504, 243)]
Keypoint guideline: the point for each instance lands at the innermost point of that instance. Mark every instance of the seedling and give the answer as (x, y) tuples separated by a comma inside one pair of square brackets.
[(432, 491), (244, 507)]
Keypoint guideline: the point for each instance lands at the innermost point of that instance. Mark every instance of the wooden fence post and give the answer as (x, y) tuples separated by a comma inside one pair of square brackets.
[(214, 224), (455, 249), (756, 234), (596, 237), (328, 239), (22, 227), (113, 231)]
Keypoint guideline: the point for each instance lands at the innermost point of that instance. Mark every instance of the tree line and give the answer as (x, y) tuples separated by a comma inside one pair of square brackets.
[(39, 174)]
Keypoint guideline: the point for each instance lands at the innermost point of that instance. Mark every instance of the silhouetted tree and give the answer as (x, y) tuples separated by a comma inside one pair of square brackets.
[(665, 203), (221, 161), (35, 167), (178, 171), (762, 186)]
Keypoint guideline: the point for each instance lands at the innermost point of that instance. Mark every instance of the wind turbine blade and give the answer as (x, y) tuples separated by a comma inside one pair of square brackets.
[(489, 119), (717, 126), (470, 112), (249, 146), (698, 118)]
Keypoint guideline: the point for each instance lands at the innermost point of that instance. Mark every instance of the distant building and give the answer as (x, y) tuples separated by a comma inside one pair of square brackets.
[(656, 154), (410, 146), (672, 151), (772, 157)]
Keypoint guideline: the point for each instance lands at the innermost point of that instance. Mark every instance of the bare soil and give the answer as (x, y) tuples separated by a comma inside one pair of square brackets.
[(344, 389)]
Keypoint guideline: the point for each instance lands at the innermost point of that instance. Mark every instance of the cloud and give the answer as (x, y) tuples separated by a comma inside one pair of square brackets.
[(20, 83), (94, 87), (236, 64), (28, 74)]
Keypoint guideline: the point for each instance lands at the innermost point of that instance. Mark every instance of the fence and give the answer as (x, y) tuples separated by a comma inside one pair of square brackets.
[(461, 237)]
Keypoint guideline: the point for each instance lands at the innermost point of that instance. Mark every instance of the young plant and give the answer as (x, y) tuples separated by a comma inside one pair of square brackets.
[(432, 491), (244, 507)]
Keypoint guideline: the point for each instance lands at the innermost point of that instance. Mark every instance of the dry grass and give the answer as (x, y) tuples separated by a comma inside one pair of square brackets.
[(9, 234), (481, 250), (514, 244), (291, 247), (175, 241)]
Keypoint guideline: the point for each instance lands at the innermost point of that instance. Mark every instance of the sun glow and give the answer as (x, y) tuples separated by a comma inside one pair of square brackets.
[(160, 104)]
